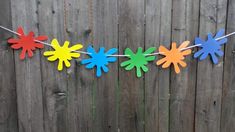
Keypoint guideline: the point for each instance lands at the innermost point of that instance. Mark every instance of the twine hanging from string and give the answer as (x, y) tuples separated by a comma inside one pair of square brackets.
[(65, 20), (90, 21)]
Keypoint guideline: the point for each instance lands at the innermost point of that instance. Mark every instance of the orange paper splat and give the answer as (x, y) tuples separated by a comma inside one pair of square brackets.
[(174, 56)]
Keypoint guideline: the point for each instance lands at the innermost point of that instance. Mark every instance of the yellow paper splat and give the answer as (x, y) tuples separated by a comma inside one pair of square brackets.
[(63, 53)]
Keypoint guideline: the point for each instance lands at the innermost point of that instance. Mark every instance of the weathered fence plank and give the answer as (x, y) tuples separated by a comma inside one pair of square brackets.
[(28, 71), (131, 35), (80, 80), (8, 106), (157, 80), (228, 98), (209, 76), (182, 99), (106, 35), (54, 83)]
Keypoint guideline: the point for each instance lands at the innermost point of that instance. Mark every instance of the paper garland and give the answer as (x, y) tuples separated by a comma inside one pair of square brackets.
[(100, 60), (63, 53), (26, 42)]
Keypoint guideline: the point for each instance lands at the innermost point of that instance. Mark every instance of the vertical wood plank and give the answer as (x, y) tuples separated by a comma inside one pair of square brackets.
[(54, 83), (209, 76), (28, 74), (106, 35), (157, 80), (228, 105), (131, 35), (182, 100), (8, 106), (80, 80)]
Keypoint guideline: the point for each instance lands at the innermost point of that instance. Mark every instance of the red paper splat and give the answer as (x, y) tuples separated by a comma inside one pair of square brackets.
[(26, 42)]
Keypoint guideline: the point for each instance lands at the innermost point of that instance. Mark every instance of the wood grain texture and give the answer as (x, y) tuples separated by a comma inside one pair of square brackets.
[(80, 80), (228, 105), (54, 83), (131, 35), (105, 97), (209, 76), (28, 71), (8, 105), (182, 86), (157, 80), (35, 97)]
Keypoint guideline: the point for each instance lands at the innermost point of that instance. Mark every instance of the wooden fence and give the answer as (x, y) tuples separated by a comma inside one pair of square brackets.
[(35, 97)]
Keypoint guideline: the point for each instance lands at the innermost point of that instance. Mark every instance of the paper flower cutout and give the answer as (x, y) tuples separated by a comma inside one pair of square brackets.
[(99, 59), (211, 47), (174, 56), (138, 60), (26, 42), (64, 54)]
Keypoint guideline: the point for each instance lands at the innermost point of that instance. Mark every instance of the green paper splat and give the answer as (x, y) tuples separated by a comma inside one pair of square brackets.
[(138, 60)]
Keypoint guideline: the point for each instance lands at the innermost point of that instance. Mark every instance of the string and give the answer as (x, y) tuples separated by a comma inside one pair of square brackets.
[(9, 30), (38, 41), (117, 55), (225, 36)]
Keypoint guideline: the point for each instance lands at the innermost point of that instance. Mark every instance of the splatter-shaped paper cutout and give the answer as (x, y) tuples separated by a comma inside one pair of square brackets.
[(174, 56), (63, 53), (211, 47), (138, 60), (100, 60), (26, 42)]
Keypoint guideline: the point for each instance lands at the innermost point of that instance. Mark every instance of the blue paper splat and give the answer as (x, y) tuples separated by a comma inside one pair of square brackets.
[(99, 59), (211, 47)]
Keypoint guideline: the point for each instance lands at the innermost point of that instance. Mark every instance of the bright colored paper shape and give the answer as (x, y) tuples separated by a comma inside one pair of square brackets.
[(62, 53), (174, 56), (26, 43), (211, 47), (99, 59), (138, 60)]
